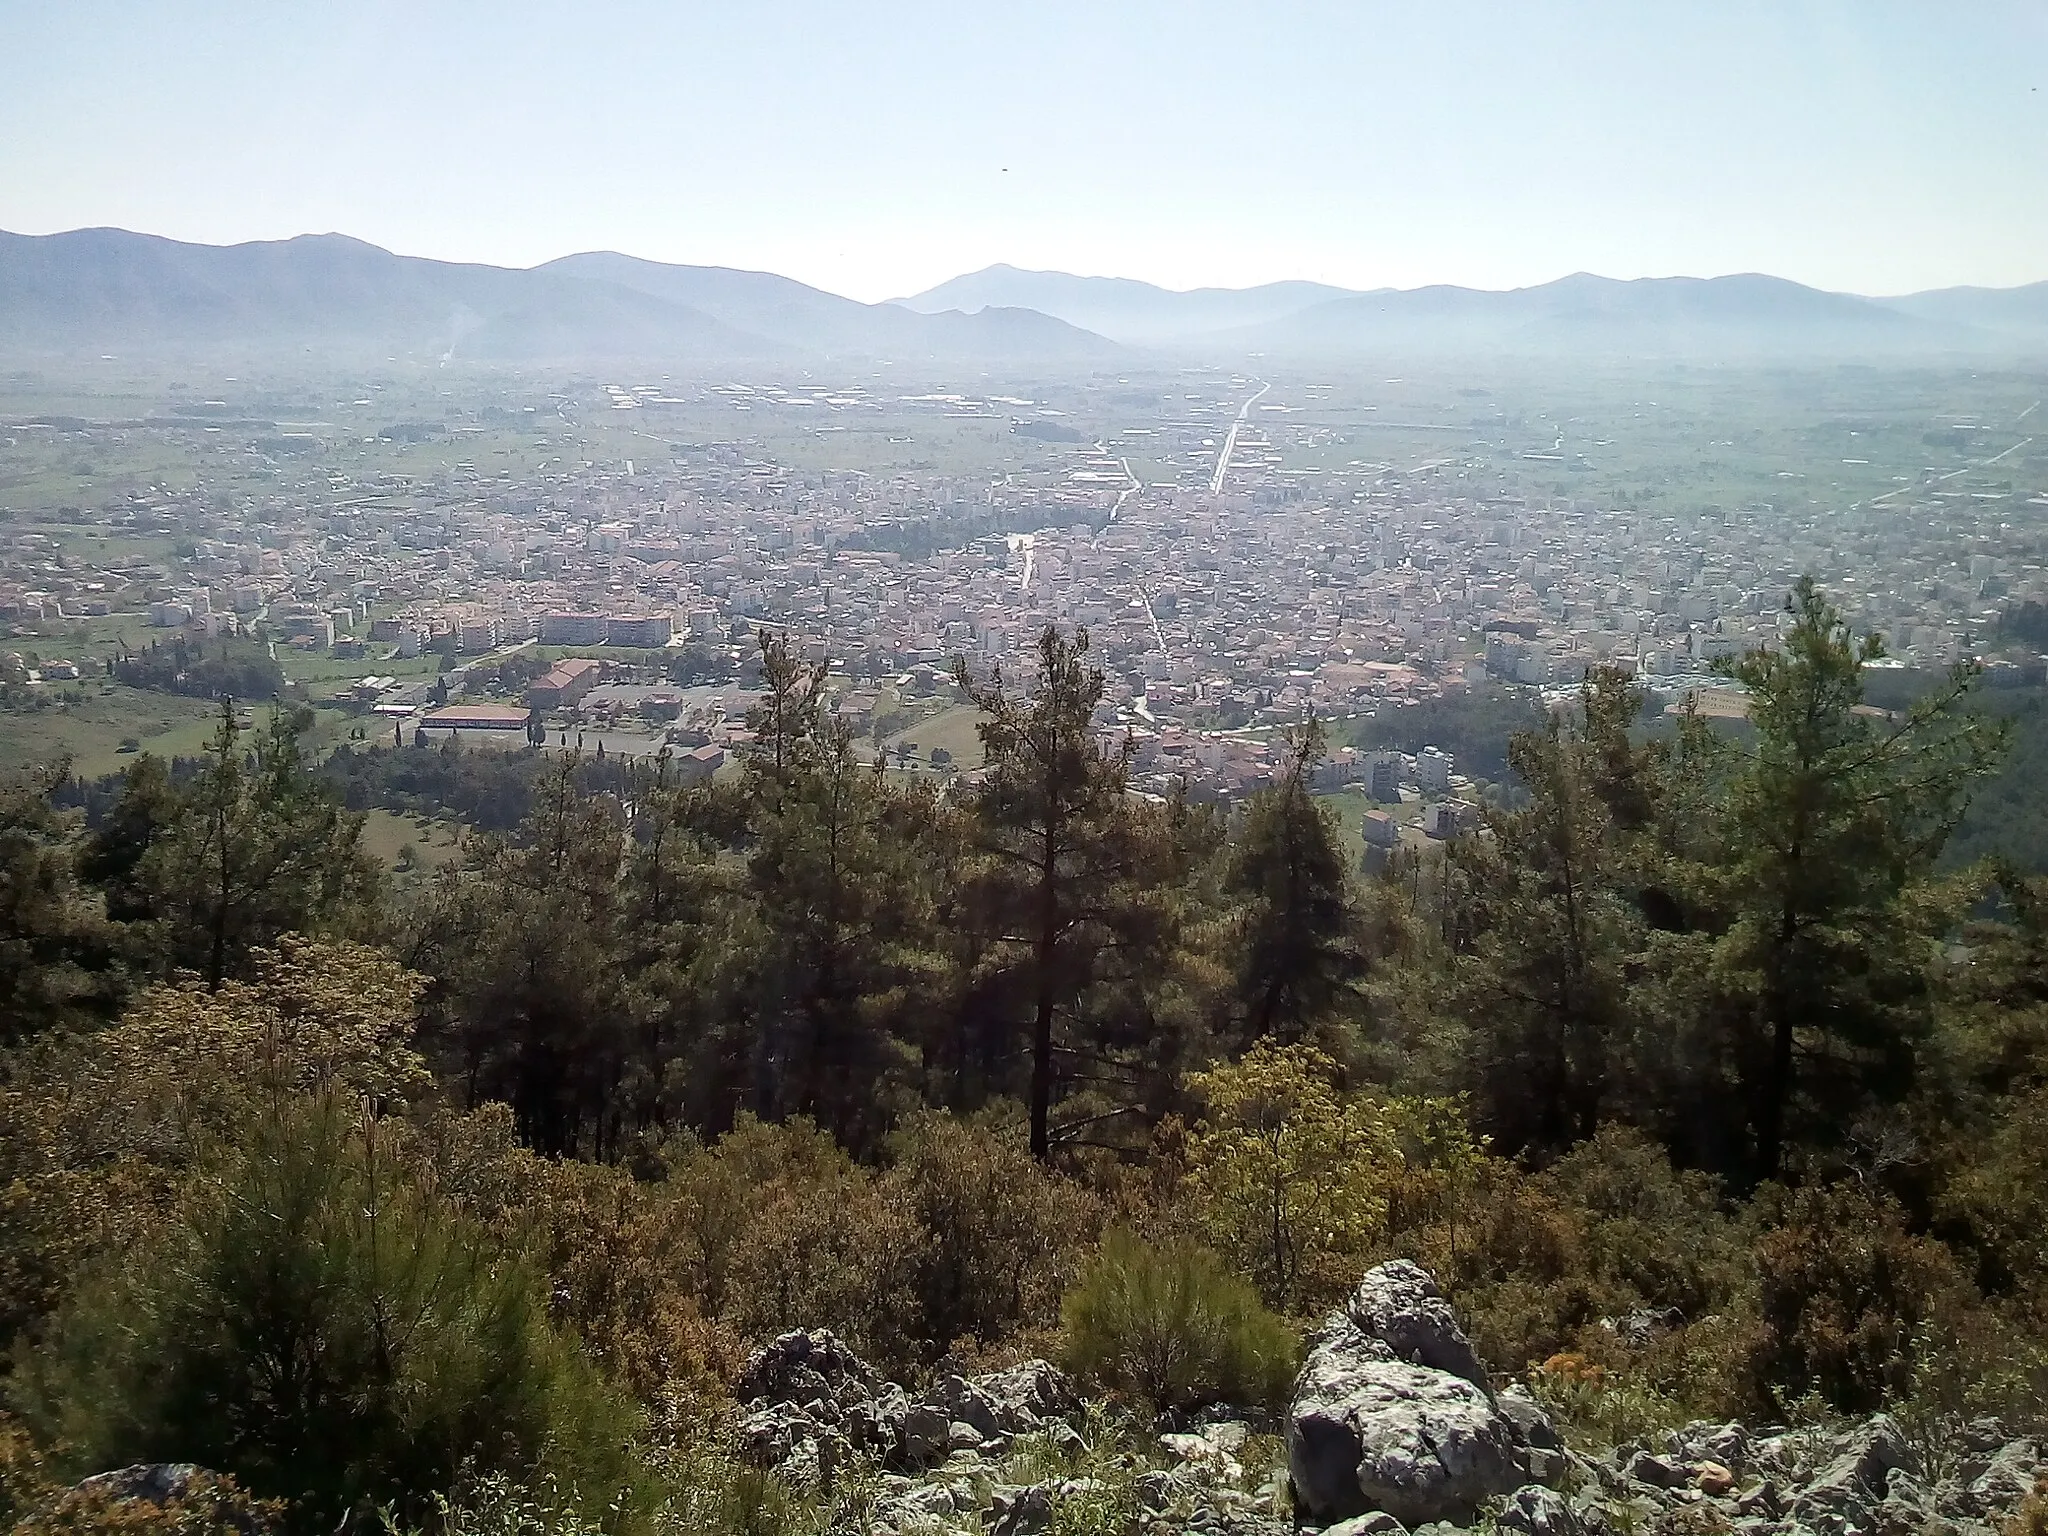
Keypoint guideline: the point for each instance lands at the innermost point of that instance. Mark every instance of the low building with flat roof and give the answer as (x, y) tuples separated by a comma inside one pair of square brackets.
[(477, 717)]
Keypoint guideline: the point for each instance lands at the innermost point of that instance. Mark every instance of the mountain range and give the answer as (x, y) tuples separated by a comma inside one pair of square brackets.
[(1577, 315), (106, 291), (93, 291)]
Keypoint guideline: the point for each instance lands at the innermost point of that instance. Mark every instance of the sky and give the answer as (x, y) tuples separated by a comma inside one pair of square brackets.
[(877, 148)]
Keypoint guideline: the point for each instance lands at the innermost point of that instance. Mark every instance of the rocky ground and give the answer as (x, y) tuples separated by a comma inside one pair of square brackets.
[(1393, 1426)]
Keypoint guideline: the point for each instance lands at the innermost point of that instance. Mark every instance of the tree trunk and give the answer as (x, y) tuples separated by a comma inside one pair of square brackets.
[(1041, 1038)]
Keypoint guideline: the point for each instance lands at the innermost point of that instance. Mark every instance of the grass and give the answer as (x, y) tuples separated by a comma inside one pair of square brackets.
[(91, 733), (952, 728), (387, 833), (1350, 805)]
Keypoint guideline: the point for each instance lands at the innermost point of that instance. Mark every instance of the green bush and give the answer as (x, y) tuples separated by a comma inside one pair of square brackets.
[(1173, 1328), (328, 1332), (1000, 1235)]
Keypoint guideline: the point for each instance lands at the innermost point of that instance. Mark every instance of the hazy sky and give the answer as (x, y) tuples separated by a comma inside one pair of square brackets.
[(874, 147)]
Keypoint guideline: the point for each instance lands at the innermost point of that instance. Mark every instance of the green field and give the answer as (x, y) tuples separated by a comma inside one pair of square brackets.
[(91, 733), (387, 833), (952, 727)]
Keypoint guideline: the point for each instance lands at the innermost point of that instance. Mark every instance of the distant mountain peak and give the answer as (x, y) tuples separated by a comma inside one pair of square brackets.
[(106, 289)]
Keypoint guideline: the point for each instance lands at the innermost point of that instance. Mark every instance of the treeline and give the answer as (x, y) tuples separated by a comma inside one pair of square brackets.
[(1701, 1038), (240, 669), (488, 789)]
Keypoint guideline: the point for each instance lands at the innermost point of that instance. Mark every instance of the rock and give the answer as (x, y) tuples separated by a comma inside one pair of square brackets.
[(1532, 1424), (1025, 1395), (962, 1436), (922, 1435), (1026, 1512), (771, 1435), (1377, 1523), (1727, 1444), (1761, 1502), (1399, 1304), (961, 1401), (806, 1368), (932, 1501), (1713, 1479), (1157, 1492), (1646, 1467), (1536, 1511), (1639, 1329), (2008, 1479), (1203, 1456), (1366, 1433), (178, 1483), (1850, 1485), (1064, 1438), (1227, 1435)]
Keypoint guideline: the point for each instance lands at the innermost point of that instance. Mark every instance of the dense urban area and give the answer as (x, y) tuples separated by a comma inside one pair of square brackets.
[(1241, 551)]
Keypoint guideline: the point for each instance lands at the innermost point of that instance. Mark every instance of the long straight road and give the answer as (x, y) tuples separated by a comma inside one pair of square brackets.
[(1230, 442)]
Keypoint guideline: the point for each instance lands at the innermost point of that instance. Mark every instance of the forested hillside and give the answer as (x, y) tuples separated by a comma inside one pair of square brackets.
[(1704, 1083)]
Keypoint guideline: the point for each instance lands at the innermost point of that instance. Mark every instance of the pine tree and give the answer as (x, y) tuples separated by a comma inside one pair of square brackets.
[(1299, 958), (57, 950), (1833, 821), (1543, 987), (1053, 823), (257, 847), (535, 980), (835, 873)]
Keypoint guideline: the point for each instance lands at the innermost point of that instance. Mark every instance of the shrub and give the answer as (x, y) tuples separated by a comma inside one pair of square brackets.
[(783, 1230), (1598, 1409), (329, 1332), (1845, 1291), (1172, 1328), (1000, 1235), (1289, 1174)]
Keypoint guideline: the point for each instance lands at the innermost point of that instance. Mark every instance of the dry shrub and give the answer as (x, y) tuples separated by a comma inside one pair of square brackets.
[(1845, 1291), (34, 1504), (1659, 1234), (1546, 1264), (783, 1230)]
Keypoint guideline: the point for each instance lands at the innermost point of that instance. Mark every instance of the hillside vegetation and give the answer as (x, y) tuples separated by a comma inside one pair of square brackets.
[(458, 1198)]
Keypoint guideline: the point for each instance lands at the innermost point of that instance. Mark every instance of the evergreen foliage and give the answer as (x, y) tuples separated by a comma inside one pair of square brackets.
[(1171, 1327)]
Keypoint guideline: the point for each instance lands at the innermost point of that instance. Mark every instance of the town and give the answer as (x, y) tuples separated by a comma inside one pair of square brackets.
[(1241, 552)]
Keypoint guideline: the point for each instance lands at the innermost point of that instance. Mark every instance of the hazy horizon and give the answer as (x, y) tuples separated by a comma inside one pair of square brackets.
[(1874, 149)]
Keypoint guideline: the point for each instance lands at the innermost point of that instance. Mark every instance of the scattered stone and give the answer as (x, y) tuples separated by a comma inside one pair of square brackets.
[(179, 1483), (805, 1368), (1392, 1429), (1377, 1523), (1538, 1511), (1713, 1479)]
